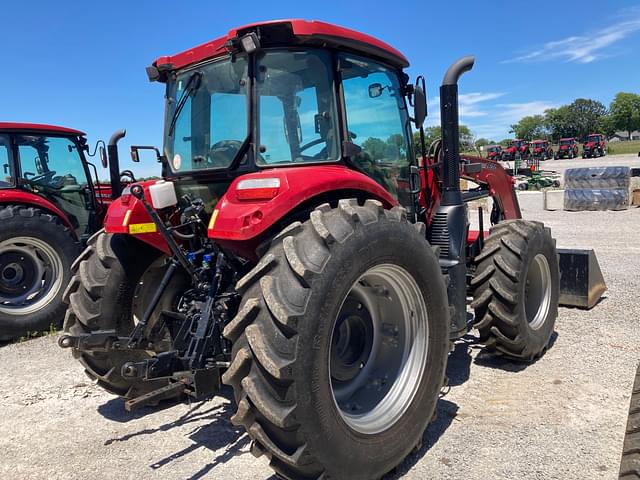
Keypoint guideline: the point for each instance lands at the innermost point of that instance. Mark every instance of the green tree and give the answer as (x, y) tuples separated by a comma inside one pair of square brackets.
[(559, 122), (375, 147), (606, 125), (530, 127), (483, 142), (433, 133), (585, 115), (625, 112)]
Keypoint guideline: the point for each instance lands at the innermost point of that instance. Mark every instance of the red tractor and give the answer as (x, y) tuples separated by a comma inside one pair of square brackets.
[(518, 149), (567, 148), (49, 206), (296, 251), (542, 150), (594, 146), (494, 152)]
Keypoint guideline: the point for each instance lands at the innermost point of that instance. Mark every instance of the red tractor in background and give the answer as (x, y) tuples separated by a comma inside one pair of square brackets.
[(298, 252), (567, 148), (49, 207), (594, 146), (518, 149), (494, 152), (542, 150)]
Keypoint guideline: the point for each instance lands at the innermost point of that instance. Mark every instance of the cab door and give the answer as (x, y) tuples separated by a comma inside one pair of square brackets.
[(52, 166), (378, 122)]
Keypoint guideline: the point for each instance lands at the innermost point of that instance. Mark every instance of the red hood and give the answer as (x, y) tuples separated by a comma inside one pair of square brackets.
[(590, 144), (564, 147)]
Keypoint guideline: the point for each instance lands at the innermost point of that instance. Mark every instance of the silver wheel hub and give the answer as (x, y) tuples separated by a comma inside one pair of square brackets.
[(30, 275), (378, 349), (537, 298)]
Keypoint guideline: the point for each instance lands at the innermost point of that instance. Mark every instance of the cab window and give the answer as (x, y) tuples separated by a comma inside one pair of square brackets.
[(50, 162), (377, 122), (6, 174)]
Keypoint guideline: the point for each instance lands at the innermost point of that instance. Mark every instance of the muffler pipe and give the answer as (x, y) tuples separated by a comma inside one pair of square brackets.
[(114, 162), (451, 223), (451, 130)]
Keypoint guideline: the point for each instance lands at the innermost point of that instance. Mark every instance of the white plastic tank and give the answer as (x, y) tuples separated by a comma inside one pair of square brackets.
[(163, 194)]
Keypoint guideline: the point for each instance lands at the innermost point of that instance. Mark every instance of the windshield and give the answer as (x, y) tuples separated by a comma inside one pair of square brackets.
[(296, 112), (593, 138), (566, 142), (212, 123), (517, 143)]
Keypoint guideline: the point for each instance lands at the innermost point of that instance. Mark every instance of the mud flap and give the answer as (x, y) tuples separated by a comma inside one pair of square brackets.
[(581, 281)]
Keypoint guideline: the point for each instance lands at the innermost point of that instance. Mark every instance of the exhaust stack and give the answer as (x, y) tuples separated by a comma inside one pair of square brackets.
[(451, 130), (450, 223), (114, 162)]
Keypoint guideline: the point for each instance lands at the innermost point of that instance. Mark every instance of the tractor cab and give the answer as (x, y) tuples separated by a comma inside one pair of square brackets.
[(271, 96), (594, 146), (494, 152), (49, 162)]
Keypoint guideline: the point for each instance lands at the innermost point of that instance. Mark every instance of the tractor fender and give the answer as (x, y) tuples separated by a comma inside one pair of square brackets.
[(14, 196), (126, 215), (241, 220)]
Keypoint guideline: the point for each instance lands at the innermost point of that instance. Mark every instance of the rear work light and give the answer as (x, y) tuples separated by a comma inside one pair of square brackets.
[(257, 188)]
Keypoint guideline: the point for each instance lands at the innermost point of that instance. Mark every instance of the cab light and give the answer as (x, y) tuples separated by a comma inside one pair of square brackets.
[(257, 188)]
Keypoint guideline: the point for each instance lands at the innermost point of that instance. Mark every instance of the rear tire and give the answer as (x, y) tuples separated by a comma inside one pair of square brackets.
[(112, 282), (516, 289), (300, 365), (36, 253), (630, 464)]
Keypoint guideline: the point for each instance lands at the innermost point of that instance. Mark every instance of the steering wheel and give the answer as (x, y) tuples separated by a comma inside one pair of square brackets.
[(312, 143), (44, 176), (222, 153)]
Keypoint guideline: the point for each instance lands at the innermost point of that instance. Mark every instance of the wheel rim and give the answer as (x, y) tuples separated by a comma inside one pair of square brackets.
[(30, 275), (538, 291), (379, 349)]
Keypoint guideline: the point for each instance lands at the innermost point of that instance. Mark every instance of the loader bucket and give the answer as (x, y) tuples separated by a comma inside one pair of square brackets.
[(581, 281)]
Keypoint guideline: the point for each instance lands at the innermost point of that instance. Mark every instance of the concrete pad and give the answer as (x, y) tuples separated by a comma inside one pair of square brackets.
[(554, 199), (530, 201)]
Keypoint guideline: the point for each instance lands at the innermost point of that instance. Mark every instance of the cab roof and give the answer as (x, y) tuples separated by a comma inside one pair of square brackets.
[(289, 32), (39, 127)]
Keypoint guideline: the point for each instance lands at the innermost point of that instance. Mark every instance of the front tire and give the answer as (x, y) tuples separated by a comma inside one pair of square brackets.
[(340, 343), (630, 463), (516, 289), (36, 253)]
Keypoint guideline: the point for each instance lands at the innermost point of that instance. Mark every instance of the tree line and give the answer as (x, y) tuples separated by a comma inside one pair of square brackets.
[(582, 117)]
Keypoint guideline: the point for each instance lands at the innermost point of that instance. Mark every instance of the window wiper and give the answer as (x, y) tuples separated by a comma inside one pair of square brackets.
[(192, 84)]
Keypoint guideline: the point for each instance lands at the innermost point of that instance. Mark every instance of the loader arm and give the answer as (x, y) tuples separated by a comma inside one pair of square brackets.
[(493, 176)]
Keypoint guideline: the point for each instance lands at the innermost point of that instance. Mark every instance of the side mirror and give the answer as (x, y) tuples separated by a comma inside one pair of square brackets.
[(419, 106), (135, 156), (103, 157), (375, 90)]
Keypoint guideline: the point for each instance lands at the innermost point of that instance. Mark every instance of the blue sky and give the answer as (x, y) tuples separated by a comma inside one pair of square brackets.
[(81, 64)]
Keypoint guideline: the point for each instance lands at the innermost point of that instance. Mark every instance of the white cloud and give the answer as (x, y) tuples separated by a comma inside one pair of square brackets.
[(588, 47), (468, 105)]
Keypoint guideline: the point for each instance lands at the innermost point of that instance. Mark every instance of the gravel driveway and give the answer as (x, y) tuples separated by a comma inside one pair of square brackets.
[(560, 418)]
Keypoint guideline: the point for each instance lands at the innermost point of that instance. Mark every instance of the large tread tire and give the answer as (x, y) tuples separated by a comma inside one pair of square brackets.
[(598, 177), (500, 283), (101, 296), (282, 340), (630, 464), (585, 199), (24, 221)]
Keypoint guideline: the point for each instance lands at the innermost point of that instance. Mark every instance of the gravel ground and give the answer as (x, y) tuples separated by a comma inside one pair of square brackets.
[(560, 418)]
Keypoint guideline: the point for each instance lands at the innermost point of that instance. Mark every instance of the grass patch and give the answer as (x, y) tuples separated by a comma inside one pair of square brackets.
[(614, 148), (30, 335)]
